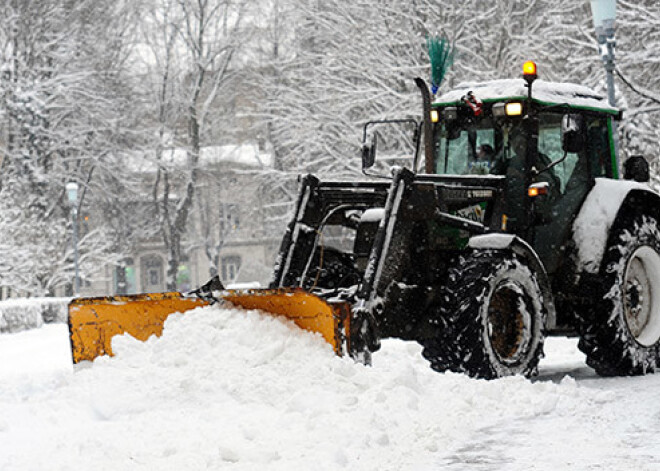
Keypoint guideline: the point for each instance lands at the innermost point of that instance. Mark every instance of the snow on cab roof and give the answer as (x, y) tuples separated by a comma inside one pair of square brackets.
[(570, 94)]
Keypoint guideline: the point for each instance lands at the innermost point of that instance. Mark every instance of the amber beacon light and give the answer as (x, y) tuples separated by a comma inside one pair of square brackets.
[(529, 71)]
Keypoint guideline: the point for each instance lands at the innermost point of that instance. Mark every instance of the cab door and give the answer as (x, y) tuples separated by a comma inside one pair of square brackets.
[(575, 178)]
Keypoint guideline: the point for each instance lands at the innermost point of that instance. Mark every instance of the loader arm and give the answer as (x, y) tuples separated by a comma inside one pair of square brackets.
[(316, 200)]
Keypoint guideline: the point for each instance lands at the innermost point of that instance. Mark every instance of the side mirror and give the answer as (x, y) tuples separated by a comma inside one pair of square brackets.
[(636, 168), (369, 151), (572, 135)]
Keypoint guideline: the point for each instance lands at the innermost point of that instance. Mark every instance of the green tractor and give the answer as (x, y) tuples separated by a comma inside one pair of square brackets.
[(516, 228)]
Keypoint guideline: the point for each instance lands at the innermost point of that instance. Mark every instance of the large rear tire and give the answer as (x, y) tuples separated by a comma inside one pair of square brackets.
[(491, 317), (620, 332)]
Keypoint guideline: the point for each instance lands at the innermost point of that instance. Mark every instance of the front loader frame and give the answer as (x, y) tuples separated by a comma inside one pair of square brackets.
[(409, 203)]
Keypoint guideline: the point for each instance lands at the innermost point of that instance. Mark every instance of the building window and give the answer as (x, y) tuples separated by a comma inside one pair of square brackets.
[(131, 287), (183, 278), (152, 273), (125, 278), (229, 218), (230, 268)]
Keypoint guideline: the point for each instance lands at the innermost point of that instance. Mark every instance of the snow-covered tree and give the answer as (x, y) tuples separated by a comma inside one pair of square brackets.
[(61, 108), (190, 51)]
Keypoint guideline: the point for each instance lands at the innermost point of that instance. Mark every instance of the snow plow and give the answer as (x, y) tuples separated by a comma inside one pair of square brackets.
[(94, 321), (514, 226)]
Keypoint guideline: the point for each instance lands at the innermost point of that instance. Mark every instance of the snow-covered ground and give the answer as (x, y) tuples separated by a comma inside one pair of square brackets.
[(228, 389)]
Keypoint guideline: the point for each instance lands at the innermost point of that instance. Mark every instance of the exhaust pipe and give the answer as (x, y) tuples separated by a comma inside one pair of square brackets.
[(428, 138)]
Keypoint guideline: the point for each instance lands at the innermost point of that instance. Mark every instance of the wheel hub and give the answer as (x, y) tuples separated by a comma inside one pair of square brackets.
[(509, 323), (635, 298), (641, 302)]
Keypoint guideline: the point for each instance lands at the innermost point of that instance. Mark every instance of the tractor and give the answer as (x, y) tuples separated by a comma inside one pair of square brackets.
[(514, 226)]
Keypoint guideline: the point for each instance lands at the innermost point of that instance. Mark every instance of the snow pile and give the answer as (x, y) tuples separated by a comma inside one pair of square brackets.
[(33, 360), (23, 313), (229, 389)]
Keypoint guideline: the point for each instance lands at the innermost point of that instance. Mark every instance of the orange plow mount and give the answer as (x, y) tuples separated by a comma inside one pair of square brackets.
[(94, 321)]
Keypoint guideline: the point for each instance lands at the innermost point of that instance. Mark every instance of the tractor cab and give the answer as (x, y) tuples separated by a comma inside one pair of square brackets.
[(550, 141)]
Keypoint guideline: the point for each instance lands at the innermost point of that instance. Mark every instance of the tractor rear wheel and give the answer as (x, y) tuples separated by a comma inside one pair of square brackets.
[(620, 332), (492, 318)]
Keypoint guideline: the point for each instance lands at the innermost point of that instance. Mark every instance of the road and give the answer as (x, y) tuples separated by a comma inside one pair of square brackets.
[(227, 390)]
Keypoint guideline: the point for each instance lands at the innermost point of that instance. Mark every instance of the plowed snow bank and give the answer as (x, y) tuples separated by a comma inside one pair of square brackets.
[(228, 389)]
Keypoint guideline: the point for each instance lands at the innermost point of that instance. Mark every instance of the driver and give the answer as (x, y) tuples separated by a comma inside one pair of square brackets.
[(484, 158), (485, 153), (515, 168)]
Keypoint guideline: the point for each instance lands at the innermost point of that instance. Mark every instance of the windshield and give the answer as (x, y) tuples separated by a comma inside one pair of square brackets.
[(474, 146)]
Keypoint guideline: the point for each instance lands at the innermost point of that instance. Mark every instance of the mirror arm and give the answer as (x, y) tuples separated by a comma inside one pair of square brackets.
[(369, 145), (536, 173), (418, 135)]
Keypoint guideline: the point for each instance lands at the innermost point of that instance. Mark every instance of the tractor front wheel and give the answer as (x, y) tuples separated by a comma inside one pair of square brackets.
[(492, 318)]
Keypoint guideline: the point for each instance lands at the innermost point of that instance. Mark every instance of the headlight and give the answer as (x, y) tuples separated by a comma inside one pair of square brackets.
[(501, 110), (513, 109)]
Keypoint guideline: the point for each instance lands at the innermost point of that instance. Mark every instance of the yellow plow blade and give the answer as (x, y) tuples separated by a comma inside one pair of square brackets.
[(94, 321), (306, 310)]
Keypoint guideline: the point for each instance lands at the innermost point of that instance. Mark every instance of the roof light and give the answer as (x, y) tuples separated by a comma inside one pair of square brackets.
[(513, 109), (604, 13), (529, 71), (450, 113), (500, 110)]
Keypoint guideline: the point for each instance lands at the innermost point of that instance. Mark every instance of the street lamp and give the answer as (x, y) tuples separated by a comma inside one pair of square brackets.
[(604, 13), (72, 193)]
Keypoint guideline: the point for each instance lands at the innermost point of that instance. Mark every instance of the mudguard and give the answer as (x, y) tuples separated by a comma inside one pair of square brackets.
[(607, 201), (498, 241)]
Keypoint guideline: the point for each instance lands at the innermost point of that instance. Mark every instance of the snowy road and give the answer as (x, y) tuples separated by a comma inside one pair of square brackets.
[(227, 390), (620, 430)]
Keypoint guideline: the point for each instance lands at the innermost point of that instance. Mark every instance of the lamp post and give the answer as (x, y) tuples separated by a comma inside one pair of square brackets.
[(72, 193), (604, 13)]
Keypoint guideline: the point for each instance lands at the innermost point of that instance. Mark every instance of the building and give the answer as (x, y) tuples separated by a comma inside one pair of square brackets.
[(228, 226)]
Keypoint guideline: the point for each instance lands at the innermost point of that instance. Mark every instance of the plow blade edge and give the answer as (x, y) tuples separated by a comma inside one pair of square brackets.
[(94, 321)]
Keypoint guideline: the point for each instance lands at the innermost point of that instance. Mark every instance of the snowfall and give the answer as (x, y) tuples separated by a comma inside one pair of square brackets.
[(241, 390)]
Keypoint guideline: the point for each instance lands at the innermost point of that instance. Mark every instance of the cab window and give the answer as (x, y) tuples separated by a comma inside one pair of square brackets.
[(466, 147), (598, 146), (550, 150)]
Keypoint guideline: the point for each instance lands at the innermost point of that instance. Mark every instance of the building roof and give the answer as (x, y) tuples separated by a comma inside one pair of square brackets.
[(247, 155)]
